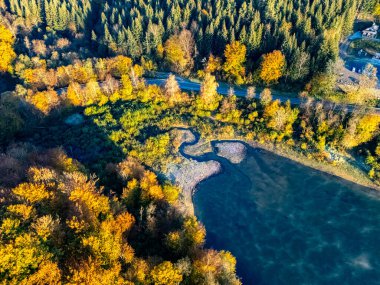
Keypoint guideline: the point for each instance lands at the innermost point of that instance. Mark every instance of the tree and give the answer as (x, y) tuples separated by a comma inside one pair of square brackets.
[(228, 109), (194, 232), (361, 129), (151, 190), (174, 55), (91, 272), (272, 67), (266, 97), (44, 101), (121, 65), (322, 85), (172, 90), (376, 11), (74, 94), (126, 87), (209, 98), (179, 52), (280, 118), (299, 66), (11, 120), (235, 54), (7, 54), (31, 192), (166, 274), (171, 193), (214, 64)]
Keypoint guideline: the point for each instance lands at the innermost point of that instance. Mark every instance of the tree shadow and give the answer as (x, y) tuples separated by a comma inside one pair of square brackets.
[(85, 142), (7, 82), (91, 146), (21, 122)]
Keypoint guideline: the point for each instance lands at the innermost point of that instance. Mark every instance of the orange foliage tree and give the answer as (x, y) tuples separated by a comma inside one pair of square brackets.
[(272, 67), (44, 101)]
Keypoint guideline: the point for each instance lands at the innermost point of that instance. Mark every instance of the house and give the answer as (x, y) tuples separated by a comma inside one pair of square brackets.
[(371, 32)]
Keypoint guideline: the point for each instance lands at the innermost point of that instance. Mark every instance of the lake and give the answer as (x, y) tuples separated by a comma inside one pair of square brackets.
[(290, 224)]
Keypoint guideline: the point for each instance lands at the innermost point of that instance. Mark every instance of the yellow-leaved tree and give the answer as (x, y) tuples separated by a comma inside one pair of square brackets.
[(179, 52), (7, 54), (166, 274), (272, 67), (361, 129), (209, 98), (235, 54)]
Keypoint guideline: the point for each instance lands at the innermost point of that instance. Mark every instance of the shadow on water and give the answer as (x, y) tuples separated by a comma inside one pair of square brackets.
[(290, 224)]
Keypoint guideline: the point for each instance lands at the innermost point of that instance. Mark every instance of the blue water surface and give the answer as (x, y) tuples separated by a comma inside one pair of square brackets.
[(289, 224)]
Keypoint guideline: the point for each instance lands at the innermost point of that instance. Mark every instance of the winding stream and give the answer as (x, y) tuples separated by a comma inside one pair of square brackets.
[(290, 224)]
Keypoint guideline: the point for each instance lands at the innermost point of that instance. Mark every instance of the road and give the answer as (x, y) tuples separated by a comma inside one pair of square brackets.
[(224, 89), (189, 85)]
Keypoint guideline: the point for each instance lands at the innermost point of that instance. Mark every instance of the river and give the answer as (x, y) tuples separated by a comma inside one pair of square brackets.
[(290, 224)]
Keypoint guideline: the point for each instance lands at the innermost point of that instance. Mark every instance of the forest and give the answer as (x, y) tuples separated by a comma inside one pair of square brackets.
[(307, 32), (85, 142)]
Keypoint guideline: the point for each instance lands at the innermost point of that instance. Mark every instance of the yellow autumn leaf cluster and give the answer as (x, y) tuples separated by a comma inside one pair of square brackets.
[(272, 67), (7, 54)]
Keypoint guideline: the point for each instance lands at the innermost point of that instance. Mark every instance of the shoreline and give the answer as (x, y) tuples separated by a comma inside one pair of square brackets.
[(343, 170), (187, 175), (190, 172)]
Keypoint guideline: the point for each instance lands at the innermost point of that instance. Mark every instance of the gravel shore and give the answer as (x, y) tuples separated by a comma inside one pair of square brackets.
[(188, 174)]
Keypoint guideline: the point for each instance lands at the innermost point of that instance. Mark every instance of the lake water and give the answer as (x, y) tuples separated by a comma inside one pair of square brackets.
[(289, 224)]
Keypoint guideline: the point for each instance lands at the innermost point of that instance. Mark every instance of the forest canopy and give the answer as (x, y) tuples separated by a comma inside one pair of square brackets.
[(306, 32)]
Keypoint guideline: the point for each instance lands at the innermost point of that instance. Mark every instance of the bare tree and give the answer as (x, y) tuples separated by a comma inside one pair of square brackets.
[(251, 92), (266, 96), (110, 85), (171, 86), (187, 43)]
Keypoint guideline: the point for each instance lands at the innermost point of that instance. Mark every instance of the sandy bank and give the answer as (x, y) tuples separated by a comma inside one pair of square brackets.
[(347, 168), (235, 152)]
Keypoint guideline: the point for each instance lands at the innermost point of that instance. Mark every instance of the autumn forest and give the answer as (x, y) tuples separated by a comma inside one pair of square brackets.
[(86, 141)]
